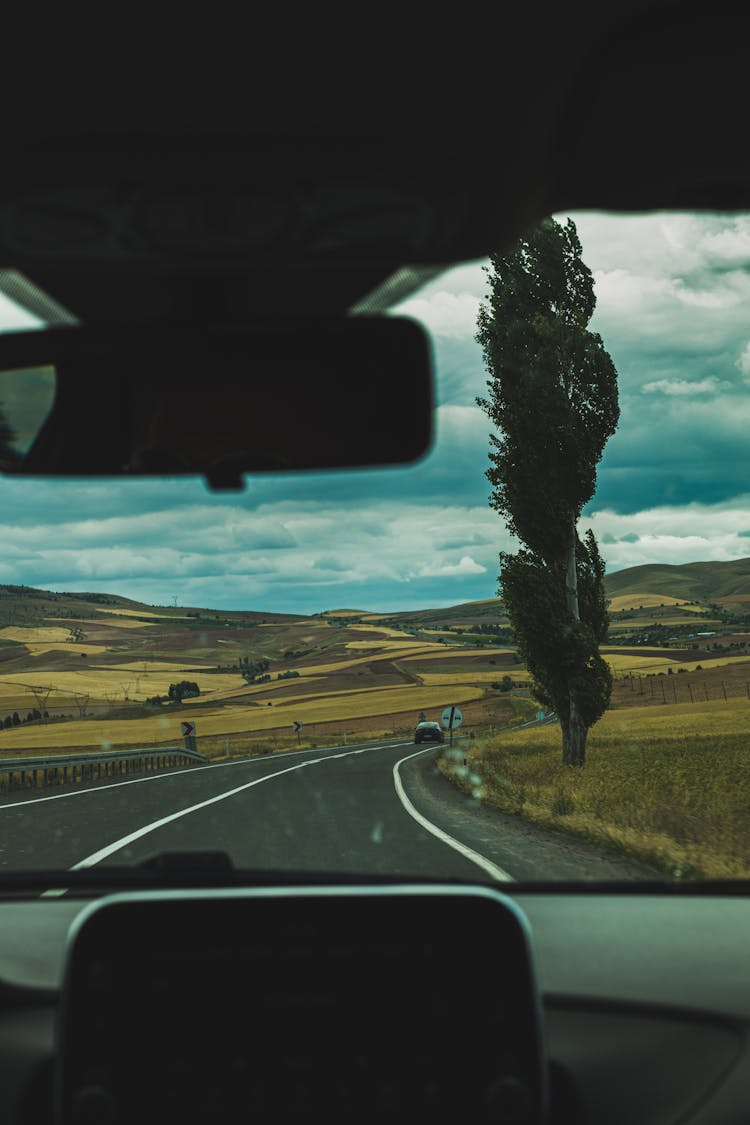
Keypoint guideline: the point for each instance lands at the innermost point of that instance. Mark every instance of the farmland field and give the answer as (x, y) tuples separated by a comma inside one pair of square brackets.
[(341, 677)]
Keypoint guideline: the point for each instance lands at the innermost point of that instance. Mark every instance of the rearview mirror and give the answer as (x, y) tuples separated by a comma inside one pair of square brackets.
[(290, 395)]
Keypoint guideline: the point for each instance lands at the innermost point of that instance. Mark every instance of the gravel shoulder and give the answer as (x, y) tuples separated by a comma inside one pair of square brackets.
[(526, 851)]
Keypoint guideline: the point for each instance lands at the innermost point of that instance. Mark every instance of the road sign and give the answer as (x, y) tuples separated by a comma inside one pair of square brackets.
[(188, 730), (451, 717), (540, 716), (297, 727)]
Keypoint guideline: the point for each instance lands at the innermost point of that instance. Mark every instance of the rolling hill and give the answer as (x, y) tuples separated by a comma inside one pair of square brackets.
[(699, 581)]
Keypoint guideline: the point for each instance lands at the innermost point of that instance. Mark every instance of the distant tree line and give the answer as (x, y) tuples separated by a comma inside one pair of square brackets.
[(252, 669), (15, 719), (185, 689)]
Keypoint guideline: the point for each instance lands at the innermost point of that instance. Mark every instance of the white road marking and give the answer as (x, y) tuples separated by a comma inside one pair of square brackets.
[(109, 849), (487, 865), (173, 773)]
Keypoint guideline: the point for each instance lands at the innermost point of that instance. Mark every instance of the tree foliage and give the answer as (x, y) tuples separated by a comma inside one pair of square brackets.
[(553, 399), (185, 689)]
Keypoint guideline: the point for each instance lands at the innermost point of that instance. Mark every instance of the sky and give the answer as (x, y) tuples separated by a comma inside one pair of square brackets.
[(673, 298)]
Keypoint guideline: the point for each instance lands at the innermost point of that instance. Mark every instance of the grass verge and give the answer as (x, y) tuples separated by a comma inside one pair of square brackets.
[(670, 791)]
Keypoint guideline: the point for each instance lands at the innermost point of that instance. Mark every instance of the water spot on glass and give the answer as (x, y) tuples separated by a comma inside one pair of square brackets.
[(105, 745)]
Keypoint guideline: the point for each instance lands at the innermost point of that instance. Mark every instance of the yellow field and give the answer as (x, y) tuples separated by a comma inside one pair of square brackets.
[(389, 632), (37, 633), (165, 727), (624, 602), (14, 697), (156, 666), (50, 638), (118, 623), (60, 646), (396, 653), (619, 662), (258, 689), (100, 683), (388, 646), (455, 652), (642, 664), (447, 678)]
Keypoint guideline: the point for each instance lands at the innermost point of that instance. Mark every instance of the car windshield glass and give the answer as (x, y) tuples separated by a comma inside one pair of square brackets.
[(561, 587)]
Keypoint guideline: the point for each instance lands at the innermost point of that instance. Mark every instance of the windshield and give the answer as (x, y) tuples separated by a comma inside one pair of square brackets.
[(186, 671)]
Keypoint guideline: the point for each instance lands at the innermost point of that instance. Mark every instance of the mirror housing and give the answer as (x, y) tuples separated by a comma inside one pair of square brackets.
[(223, 401)]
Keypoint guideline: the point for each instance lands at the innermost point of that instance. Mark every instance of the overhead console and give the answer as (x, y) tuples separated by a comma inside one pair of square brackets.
[(358, 1004)]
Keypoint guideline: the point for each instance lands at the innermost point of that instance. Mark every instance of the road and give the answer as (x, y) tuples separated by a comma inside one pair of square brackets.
[(378, 808)]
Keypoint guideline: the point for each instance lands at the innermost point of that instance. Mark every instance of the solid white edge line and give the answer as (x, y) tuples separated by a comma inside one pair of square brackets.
[(109, 849), (487, 865)]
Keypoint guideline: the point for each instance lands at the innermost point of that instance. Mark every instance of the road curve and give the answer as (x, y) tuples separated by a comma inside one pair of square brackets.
[(378, 808)]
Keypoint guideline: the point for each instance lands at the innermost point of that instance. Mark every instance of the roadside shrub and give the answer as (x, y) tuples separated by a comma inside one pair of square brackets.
[(562, 803)]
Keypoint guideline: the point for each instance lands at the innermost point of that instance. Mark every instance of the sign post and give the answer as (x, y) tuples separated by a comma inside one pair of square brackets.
[(297, 727), (188, 733), (451, 719)]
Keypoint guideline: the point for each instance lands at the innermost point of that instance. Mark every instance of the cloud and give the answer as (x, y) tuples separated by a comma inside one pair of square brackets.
[(672, 292), (685, 387), (445, 314), (743, 363), (467, 565), (680, 534)]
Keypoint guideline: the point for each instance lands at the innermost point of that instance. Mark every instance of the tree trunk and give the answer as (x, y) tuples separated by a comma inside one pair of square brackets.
[(571, 575), (575, 733)]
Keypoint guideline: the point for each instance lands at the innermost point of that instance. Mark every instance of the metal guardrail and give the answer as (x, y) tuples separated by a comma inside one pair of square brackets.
[(59, 769)]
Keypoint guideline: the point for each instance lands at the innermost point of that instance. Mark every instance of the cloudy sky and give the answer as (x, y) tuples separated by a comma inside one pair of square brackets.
[(673, 309)]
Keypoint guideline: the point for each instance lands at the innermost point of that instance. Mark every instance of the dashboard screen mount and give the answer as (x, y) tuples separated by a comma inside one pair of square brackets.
[(356, 1003)]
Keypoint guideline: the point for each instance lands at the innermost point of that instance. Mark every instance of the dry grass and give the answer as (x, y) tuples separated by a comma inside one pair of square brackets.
[(106, 684), (624, 602), (441, 652), (395, 653), (669, 787), (35, 634), (156, 666), (117, 623), (621, 662), (435, 679), (380, 630)]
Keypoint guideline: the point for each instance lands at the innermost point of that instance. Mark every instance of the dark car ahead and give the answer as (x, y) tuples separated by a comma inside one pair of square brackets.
[(428, 732)]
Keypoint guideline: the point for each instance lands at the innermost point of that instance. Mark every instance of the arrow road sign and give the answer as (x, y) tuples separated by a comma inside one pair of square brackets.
[(188, 730), (297, 727)]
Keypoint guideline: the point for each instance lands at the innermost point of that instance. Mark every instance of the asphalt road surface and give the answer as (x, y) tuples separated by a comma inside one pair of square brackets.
[(377, 808)]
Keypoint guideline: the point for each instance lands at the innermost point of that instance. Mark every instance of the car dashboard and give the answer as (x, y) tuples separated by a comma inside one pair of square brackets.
[(411, 1012), (293, 177)]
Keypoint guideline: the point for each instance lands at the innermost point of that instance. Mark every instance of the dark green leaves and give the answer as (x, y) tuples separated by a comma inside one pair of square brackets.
[(552, 396), (552, 386)]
